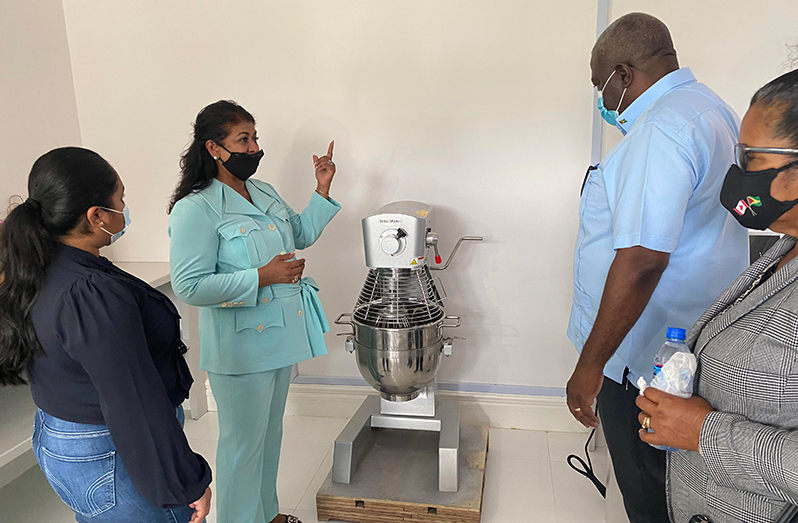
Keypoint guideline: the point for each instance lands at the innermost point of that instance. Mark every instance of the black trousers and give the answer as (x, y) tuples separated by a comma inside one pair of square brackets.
[(639, 467)]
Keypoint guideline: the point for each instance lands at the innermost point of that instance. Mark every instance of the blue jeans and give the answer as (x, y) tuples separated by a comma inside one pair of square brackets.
[(81, 463)]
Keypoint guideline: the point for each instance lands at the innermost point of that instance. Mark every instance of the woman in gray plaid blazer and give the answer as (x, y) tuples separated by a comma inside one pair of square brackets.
[(740, 430)]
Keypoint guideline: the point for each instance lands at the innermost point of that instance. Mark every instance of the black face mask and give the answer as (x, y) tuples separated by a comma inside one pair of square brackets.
[(746, 194), (242, 165)]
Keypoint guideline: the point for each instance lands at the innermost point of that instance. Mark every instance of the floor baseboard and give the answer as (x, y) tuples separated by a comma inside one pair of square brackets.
[(544, 413)]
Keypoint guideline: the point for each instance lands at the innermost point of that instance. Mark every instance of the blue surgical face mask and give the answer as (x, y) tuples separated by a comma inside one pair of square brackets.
[(611, 117), (128, 221)]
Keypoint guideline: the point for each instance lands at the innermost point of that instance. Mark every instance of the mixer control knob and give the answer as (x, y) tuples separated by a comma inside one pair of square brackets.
[(391, 245), (393, 242)]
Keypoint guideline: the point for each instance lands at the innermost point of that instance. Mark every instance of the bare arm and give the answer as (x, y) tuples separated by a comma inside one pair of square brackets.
[(632, 279)]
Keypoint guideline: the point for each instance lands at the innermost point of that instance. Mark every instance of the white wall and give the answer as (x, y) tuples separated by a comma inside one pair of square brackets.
[(735, 47), (37, 99), (482, 109), (37, 113)]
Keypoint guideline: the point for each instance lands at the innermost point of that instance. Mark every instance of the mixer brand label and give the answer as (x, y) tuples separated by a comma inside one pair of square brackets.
[(390, 220)]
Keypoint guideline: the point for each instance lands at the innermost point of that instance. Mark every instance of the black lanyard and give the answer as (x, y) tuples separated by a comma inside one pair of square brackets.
[(587, 175)]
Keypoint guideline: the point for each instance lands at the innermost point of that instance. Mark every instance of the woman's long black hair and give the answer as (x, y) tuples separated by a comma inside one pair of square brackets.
[(197, 167), (62, 186)]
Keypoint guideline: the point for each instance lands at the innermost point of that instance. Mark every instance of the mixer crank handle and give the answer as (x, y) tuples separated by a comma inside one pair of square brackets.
[(457, 319), (454, 251), (339, 322)]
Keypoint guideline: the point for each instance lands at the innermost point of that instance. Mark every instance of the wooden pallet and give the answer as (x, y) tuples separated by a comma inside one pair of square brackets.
[(397, 481)]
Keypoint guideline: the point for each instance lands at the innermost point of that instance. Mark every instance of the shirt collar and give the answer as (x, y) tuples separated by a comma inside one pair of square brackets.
[(261, 198), (225, 199), (82, 257), (663, 86)]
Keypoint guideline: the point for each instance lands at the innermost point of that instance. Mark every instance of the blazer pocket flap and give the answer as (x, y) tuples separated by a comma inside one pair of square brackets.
[(265, 295), (282, 213), (259, 318), (238, 229)]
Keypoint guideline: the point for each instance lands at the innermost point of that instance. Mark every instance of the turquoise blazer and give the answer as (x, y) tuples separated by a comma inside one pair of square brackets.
[(218, 241)]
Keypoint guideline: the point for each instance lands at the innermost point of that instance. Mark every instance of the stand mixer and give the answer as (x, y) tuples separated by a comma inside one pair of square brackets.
[(398, 337)]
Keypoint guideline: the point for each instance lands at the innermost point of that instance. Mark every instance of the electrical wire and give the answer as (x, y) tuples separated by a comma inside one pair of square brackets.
[(587, 468)]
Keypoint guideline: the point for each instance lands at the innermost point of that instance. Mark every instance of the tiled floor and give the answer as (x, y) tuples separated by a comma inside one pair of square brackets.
[(527, 477)]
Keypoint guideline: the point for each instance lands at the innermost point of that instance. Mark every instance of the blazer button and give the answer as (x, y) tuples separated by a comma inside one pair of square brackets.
[(260, 328), (265, 300), (243, 230), (300, 313), (224, 304), (229, 303), (272, 227)]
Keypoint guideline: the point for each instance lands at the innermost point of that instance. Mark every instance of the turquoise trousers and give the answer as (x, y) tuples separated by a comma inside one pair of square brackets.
[(251, 408)]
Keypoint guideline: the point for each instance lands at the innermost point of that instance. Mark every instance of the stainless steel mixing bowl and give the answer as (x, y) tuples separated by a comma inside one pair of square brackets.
[(399, 362), (399, 375)]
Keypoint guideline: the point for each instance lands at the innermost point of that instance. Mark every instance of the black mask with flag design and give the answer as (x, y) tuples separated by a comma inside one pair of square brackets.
[(242, 165), (746, 194)]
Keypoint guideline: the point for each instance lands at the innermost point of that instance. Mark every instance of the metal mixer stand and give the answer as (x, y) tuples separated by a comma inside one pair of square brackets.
[(445, 421)]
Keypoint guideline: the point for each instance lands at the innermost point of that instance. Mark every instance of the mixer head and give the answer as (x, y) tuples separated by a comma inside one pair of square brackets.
[(396, 235)]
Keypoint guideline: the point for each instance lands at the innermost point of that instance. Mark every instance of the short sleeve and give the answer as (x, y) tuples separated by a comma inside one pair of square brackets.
[(650, 189)]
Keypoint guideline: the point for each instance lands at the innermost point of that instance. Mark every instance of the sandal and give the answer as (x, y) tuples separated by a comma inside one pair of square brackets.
[(291, 519)]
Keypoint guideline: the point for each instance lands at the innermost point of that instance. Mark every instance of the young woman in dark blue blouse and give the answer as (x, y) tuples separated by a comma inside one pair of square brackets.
[(101, 349)]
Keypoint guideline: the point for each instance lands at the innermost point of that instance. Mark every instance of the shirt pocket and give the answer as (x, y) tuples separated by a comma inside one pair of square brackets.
[(237, 245), (80, 467), (259, 319), (588, 202)]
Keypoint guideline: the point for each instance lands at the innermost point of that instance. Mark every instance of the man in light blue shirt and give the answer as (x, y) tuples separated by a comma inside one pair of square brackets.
[(655, 247)]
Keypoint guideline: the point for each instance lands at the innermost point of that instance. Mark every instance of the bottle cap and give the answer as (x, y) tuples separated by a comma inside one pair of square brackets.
[(676, 334)]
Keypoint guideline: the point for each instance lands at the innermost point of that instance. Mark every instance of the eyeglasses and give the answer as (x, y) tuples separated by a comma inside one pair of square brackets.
[(741, 153)]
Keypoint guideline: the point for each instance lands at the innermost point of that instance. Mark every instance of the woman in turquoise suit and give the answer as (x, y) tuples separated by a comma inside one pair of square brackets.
[(232, 254)]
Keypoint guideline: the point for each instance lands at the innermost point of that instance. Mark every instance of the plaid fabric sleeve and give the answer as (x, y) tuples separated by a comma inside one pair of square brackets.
[(749, 456)]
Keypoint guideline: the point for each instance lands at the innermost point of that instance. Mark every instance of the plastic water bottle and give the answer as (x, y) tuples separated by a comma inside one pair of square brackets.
[(674, 343)]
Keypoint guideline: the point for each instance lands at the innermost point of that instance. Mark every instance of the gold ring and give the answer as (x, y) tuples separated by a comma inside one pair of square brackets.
[(577, 409), (647, 422)]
